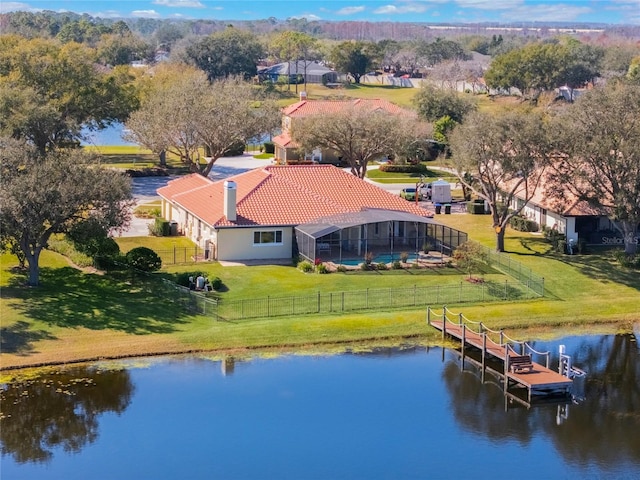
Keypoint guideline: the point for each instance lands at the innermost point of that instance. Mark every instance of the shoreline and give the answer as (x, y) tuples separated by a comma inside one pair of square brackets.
[(533, 332)]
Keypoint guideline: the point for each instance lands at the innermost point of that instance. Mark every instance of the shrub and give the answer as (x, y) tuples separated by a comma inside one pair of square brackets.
[(269, 147), (341, 268), (381, 266), (476, 207), (235, 150), (558, 240), (364, 266), (216, 283), (396, 265), (144, 259), (392, 168), (626, 260), (159, 228), (523, 224), (305, 266), (404, 256), (427, 247), (111, 263), (322, 268)]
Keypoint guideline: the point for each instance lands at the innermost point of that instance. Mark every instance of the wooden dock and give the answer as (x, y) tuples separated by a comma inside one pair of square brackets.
[(538, 379)]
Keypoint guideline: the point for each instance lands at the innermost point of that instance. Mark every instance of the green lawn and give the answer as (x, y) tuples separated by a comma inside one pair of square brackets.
[(76, 315), (431, 174)]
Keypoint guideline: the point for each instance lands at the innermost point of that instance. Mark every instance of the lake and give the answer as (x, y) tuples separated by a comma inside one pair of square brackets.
[(394, 413), (111, 136)]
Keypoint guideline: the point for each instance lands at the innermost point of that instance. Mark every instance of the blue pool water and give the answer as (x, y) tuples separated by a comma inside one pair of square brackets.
[(383, 258)]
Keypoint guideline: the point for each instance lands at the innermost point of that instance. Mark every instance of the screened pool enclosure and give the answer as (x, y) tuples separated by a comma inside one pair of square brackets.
[(375, 235)]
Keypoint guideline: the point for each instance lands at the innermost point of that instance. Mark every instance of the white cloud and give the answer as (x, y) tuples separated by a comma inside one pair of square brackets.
[(350, 10), (16, 6), (179, 3), (491, 4), (308, 16), (546, 12), (145, 14), (393, 9), (107, 14)]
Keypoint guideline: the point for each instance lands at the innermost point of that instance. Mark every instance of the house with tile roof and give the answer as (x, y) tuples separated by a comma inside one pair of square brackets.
[(572, 217), (286, 150), (316, 211)]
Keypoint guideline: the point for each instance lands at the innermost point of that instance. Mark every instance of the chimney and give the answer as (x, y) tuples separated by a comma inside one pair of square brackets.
[(230, 200), (303, 96)]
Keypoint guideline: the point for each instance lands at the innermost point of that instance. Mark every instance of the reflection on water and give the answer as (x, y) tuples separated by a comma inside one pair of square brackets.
[(59, 411), (390, 413)]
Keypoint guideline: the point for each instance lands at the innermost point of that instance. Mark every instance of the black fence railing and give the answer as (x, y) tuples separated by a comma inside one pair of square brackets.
[(178, 255), (371, 299)]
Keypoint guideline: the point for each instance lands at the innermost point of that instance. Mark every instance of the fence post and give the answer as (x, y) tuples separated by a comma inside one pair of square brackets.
[(428, 315), (343, 301), (174, 254), (505, 289), (460, 319), (318, 301), (366, 299), (268, 306)]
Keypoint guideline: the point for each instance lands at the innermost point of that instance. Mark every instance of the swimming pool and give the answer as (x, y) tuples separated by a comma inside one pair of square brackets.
[(382, 258)]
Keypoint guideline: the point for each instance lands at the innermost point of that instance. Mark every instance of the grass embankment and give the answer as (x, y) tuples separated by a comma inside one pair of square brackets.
[(84, 316)]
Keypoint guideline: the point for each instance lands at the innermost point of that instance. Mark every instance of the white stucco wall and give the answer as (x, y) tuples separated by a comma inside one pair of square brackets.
[(237, 244)]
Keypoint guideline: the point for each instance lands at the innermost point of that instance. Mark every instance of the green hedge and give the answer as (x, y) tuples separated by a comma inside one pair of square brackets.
[(269, 147), (523, 224), (392, 168)]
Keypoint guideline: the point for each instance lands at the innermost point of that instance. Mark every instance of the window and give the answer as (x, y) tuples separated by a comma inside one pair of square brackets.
[(268, 237)]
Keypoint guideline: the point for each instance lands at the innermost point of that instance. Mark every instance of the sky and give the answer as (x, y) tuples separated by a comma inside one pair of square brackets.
[(431, 11)]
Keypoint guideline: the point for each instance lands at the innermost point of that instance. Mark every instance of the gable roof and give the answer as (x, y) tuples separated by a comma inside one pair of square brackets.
[(305, 108), (571, 206), (283, 195)]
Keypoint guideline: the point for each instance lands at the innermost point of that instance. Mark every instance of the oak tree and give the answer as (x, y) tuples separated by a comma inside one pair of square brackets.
[(500, 158), (42, 196), (600, 140)]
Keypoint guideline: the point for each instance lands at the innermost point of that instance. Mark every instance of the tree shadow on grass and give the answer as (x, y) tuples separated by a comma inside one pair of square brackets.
[(72, 299), (18, 339), (602, 267)]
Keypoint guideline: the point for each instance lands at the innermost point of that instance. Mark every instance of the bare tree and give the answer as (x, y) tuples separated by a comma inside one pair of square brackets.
[(500, 158), (359, 135), (184, 114)]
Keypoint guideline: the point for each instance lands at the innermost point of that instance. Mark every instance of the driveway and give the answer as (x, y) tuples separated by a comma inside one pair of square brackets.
[(144, 188)]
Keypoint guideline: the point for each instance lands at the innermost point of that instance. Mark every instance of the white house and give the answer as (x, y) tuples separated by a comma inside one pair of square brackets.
[(317, 211)]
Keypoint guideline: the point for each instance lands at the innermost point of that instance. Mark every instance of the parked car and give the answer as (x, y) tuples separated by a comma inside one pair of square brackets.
[(425, 190), (410, 194)]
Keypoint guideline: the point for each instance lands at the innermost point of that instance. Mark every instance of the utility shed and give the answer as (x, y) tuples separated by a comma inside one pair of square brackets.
[(441, 192)]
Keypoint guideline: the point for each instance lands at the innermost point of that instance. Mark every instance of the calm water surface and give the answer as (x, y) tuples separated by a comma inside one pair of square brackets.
[(388, 414)]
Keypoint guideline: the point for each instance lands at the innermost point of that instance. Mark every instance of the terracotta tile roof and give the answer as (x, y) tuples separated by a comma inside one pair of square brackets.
[(284, 140), (284, 195), (568, 207), (306, 108)]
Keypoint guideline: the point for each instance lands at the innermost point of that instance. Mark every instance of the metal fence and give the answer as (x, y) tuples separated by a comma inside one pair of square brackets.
[(526, 285), (523, 274), (182, 255), (371, 299)]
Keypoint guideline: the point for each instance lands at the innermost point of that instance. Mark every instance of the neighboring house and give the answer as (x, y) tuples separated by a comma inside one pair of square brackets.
[(287, 151), (576, 219), (297, 72), (317, 211)]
